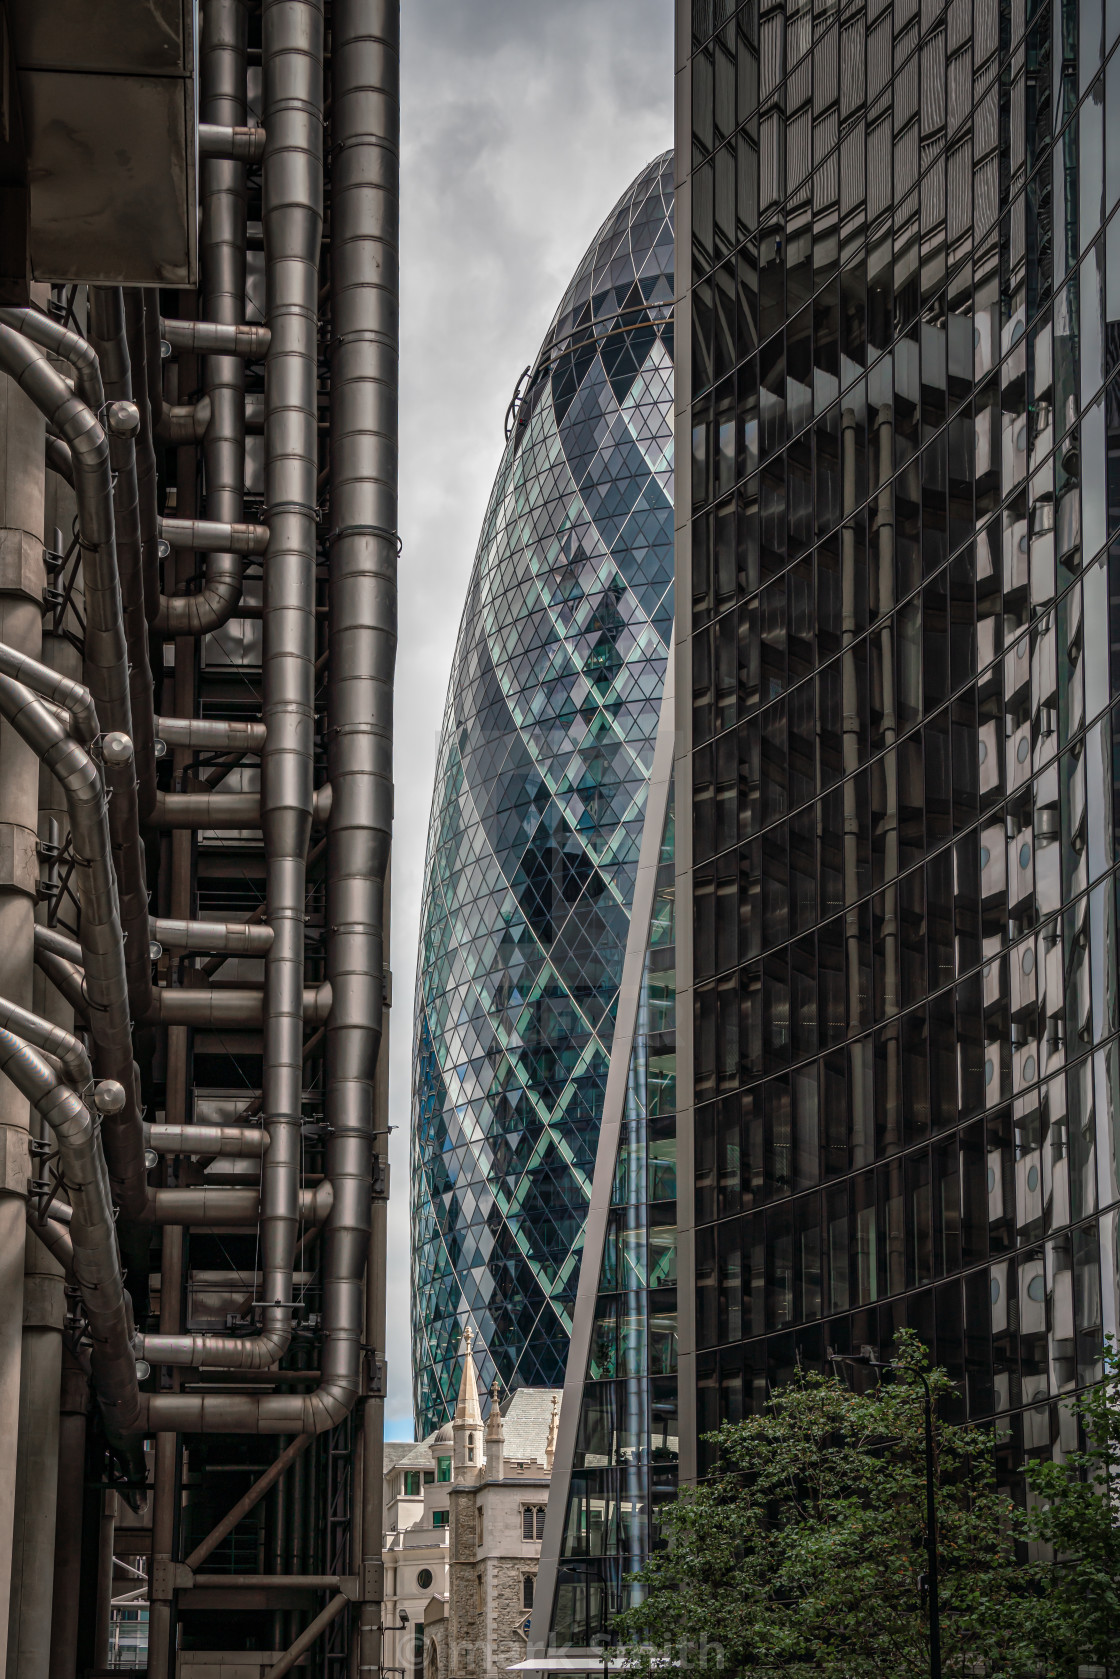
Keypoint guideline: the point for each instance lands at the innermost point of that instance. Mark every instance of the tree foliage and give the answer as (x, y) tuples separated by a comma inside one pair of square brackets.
[(805, 1551), (1076, 1512)]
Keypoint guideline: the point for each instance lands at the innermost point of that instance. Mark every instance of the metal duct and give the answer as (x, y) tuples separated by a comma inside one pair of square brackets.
[(106, 662), (56, 1041), (292, 212), (246, 145), (179, 423), (222, 259), (226, 810), (105, 983), (107, 331), (219, 1207), (147, 486), (211, 732), (58, 459), (231, 938), (183, 1006), (364, 70), (97, 1265), (242, 1142), (217, 338), (54, 1237), (52, 685), (207, 536), (361, 657)]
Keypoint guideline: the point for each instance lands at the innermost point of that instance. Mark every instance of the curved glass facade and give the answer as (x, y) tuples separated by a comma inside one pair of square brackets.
[(905, 322), (537, 816)]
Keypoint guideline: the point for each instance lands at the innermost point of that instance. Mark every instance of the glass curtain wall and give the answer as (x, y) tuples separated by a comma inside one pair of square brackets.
[(897, 611), (626, 1447), (537, 818)]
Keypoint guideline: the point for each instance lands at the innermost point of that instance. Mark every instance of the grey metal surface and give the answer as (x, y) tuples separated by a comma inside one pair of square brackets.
[(105, 654), (105, 982), (107, 97), (68, 1050), (97, 1265)]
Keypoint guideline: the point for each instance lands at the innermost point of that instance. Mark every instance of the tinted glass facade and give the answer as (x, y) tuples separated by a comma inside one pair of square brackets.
[(896, 831), (623, 1460), (537, 819)]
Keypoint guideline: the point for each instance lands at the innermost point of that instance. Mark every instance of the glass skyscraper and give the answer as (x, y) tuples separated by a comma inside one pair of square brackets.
[(898, 579), (537, 818)]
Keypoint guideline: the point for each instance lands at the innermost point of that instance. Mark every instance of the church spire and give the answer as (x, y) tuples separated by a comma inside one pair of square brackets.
[(553, 1435), (495, 1436), (468, 1409), (467, 1423)]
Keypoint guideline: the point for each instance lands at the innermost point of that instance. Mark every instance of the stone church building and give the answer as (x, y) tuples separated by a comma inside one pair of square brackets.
[(464, 1518)]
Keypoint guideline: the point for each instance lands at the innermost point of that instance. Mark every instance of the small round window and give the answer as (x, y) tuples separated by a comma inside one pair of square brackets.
[(424, 1579)]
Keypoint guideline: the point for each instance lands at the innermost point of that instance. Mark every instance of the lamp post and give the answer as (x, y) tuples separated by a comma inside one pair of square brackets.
[(867, 1356)]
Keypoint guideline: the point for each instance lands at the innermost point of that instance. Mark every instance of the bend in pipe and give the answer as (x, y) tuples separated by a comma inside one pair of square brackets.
[(97, 1265), (52, 685), (105, 981), (44, 1035)]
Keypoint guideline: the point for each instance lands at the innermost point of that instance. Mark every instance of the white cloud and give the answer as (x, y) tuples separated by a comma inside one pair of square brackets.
[(522, 121)]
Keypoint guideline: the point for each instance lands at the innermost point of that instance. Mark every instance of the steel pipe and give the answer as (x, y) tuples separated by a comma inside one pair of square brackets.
[(208, 536), (109, 336), (54, 1237), (180, 1006), (219, 1206), (361, 626), (67, 979), (292, 36), (218, 338), (97, 1265), (105, 985), (225, 810), (147, 486), (212, 732), (106, 661), (237, 143), (54, 1040), (207, 810), (58, 459), (230, 938), (241, 1141), (61, 690), (184, 423), (68, 346)]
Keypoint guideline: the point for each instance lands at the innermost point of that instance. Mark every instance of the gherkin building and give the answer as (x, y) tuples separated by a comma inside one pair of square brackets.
[(540, 796)]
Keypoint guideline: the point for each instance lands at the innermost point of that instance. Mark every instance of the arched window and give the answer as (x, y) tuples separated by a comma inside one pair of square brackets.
[(527, 1583), (470, 1448)]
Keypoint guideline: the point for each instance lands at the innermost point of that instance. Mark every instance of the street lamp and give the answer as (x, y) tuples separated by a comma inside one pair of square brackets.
[(867, 1356)]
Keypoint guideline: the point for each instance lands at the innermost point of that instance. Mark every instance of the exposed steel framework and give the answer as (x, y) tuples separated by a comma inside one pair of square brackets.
[(195, 820)]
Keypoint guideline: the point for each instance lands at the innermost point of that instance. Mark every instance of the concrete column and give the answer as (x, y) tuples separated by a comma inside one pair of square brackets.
[(22, 576), (44, 1307), (73, 1408)]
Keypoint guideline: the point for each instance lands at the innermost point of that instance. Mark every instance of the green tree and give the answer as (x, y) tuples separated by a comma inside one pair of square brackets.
[(805, 1552), (1076, 1511)]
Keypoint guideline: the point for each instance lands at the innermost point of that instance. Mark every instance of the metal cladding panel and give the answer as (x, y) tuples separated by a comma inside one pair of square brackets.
[(153, 38), (109, 111)]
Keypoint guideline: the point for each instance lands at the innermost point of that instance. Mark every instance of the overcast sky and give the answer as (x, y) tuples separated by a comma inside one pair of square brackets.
[(522, 122)]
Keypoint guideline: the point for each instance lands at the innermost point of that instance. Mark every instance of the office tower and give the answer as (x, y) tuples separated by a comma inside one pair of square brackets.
[(198, 369), (537, 818), (898, 1097)]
